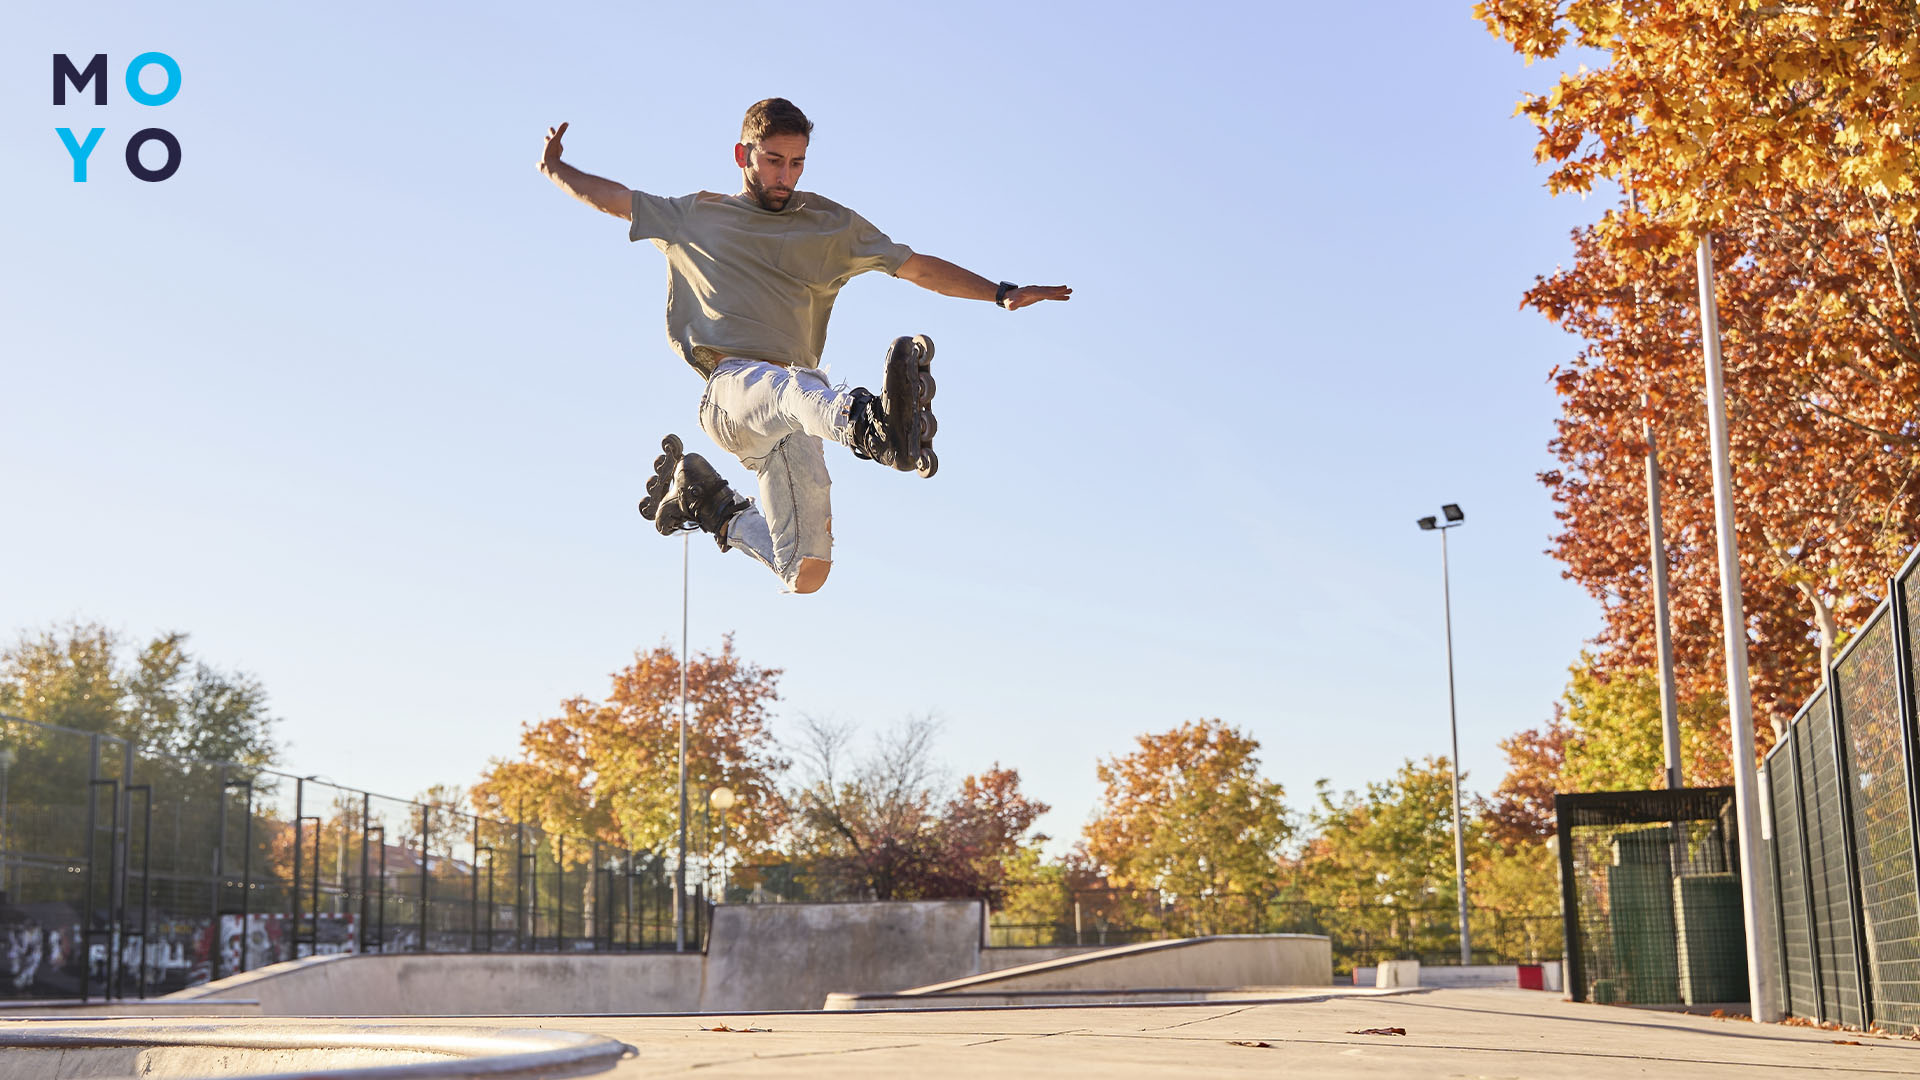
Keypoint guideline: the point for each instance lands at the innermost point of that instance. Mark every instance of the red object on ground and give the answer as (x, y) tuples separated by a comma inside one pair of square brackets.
[(1532, 977)]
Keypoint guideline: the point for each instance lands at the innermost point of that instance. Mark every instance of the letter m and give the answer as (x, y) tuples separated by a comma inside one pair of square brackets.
[(64, 73)]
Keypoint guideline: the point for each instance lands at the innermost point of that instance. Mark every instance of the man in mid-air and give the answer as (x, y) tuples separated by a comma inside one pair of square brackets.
[(751, 280)]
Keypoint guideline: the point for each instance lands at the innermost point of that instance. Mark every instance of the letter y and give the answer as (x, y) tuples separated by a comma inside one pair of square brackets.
[(80, 152)]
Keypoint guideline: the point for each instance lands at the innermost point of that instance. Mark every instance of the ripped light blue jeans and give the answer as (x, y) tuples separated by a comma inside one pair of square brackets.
[(773, 419)]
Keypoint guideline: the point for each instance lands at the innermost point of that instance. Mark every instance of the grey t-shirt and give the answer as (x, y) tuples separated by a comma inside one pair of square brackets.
[(746, 281)]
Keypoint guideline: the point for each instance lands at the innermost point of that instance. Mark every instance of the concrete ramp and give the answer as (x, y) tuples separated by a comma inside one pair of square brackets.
[(778, 957), (1187, 969), (470, 984)]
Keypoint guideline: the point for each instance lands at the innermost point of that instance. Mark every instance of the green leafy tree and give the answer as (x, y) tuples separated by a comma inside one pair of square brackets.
[(178, 706), (1380, 866), (194, 725), (1514, 899), (1605, 735), (1187, 819), (1617, 742), (166, 701)]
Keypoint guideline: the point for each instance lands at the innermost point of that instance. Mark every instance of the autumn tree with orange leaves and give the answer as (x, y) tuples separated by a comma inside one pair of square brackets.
[(1785, 131), (1187, 819), (608, 770)]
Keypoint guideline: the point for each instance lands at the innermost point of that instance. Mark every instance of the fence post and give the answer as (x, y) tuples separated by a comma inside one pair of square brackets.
[(146, 871), (1904, 657), (473, 905), (1569, 902), (366, 834), (293, 894), (219, 881), (124, 846), (246, 872), (519, 887), (86, 905), (426, 881)]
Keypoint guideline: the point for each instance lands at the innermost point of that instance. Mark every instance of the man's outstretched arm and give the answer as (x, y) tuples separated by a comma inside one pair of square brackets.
[(949, 280), (596, 191)]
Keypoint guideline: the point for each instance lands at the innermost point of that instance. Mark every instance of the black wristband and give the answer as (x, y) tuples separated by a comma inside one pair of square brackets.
[(1000, 294)]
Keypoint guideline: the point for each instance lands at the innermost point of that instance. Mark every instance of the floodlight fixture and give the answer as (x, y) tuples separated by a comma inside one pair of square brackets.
[(1453, 512), (1427, 523)]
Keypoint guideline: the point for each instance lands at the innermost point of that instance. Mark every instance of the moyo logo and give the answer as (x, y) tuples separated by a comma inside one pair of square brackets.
[(95, 74)]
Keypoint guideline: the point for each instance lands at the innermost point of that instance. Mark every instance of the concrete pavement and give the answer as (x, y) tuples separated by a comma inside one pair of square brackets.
[(1476, 1033), (1449, 1033)]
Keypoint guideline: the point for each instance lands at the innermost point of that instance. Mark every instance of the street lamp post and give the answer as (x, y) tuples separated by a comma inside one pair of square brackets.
[(1763, 972), (680, 870), (1454, 517)]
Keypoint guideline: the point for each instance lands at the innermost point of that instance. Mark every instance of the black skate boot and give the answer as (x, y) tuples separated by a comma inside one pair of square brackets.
[(896, 428), (685, 493)]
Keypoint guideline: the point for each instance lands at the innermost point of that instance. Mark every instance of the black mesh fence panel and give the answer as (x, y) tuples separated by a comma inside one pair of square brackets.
[(44, 796), (1790, 884), (1652, 897), (1828, 860), (1867, 683)]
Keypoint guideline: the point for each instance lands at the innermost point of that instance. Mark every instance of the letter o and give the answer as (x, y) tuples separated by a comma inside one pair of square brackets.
[(140, 64), (164, 138)]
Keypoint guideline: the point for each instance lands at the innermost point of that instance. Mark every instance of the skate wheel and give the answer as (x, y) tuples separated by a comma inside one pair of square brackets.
[(647, 506), (929, 463), (923, 349), (928, 425), (672, 445), (926, 387)]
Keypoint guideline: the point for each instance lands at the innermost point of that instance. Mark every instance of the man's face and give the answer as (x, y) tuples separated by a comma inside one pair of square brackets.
[(772, 168)]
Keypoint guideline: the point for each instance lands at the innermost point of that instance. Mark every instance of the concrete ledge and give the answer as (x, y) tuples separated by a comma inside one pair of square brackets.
[(791, 956), (1459, 976)]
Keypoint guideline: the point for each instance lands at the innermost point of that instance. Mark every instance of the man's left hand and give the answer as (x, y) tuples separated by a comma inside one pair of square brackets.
[(1033, 294)]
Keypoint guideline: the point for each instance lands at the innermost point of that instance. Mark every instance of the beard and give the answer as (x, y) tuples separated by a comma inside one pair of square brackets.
[(775, 199)]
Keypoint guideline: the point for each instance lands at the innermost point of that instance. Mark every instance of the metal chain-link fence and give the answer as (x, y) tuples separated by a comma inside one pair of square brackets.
[(125, 874)]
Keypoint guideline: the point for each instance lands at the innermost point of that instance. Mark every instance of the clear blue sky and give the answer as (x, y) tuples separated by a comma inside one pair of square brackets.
[(364, 404)]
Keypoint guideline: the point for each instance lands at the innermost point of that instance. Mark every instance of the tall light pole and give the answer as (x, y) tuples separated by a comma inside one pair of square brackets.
[(680, 871), (1762, 971), (1454, 517), (1662, 635)]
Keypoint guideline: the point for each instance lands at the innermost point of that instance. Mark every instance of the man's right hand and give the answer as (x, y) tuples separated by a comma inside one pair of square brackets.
[(550, 153)]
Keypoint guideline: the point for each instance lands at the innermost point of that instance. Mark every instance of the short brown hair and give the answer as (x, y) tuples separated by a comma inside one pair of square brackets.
[(774, 116)]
